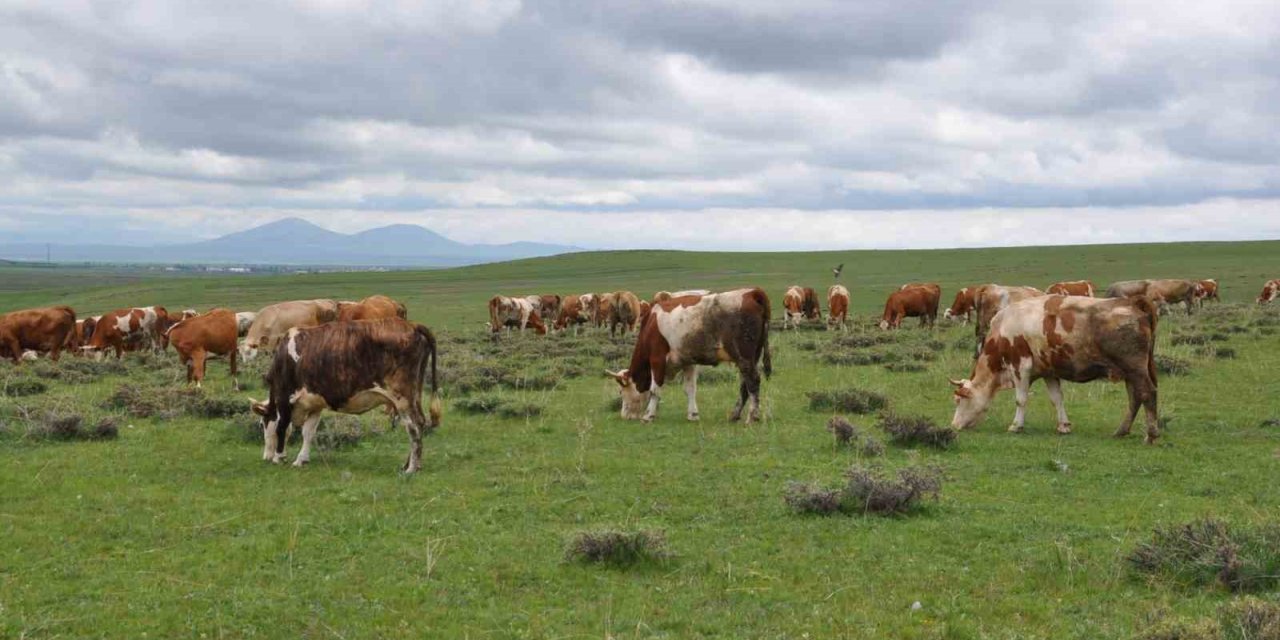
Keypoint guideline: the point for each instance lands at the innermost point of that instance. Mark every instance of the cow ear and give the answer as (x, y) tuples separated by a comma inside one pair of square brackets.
[(257, 407)]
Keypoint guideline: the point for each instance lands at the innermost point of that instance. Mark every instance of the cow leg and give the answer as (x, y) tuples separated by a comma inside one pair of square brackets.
[(753, 394), (1147, 395), (414, 426), (691, 391), (1134, 403), (197, 366), (308, 436), (1021, 389), (655, 396), (269, 441), (1055, 395), (235, 383)]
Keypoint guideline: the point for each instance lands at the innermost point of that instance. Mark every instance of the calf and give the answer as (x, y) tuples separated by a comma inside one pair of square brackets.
[(1270, 291), (1208, 291), (199, 338), (513, 312), (911, 301), (273, 323), (837, 306), (43, 329), (1064, 338), (1071, 288), (349, 367), (80, 335), (990, 299), (698, 330), (125, 329), (962, 306), (375, 307)]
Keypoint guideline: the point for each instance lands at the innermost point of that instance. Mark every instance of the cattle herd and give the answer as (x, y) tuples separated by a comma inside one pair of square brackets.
[(352, 357)]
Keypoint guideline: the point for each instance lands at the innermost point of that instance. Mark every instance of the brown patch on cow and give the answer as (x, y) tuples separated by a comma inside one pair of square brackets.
[(44, 330)]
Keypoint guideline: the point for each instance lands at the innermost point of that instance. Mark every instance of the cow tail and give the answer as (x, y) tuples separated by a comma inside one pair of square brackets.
[(1152, 313), (433, 406), (765, 355)]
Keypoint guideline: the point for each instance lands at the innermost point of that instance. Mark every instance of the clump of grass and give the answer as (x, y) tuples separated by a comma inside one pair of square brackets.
[(1246, 618), (519, 409), (1209, 551), (862, 340), (94, 368), (140, 402), (1270, 422), (1171, 366), (217, 407), (850, 400), (905, 367), (807, 345), (22, 387), (70, 426), (478, 404), (338, 432), (811, 498), (1189, 338), (617, 548), (872, 490), (716, 375), (916, 430), (1224, 353)]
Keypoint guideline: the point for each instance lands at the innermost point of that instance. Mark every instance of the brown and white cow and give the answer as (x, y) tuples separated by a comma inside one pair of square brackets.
[(514, 312), (572, 312), (349, 367), (911, 301), (962, 306), (837, 306), (663, 296), (799, 303), (624, 311), (604, 308), (548, 305), (273, 322), (244, 320), (201, 337), (167, 322), (375, 307), (990, 299), (125, 330), (1072, 288), (1058, 338), (646, 308), (1270, 291), (688, 331), (42, 330), (1208, 291)]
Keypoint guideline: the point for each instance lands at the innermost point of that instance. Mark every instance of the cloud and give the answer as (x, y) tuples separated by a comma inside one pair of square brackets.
[(632, 116)]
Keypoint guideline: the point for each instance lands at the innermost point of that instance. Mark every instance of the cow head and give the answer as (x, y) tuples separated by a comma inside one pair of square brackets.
[(267, 421), (633, 399), (972, 403), (884, 325), (249, 350)]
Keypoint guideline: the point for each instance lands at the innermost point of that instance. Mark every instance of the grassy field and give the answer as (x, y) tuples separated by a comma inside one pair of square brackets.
[(177, 529)]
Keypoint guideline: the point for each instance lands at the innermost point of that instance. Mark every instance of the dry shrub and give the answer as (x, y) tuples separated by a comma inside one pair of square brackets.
[(1171, 366), (1209, 551), (478, 404), (519, 409), (70, 426), (847, 400), (917, 430), (810, 498), (846, 434), (23, 387), (1246, 618), (872, 490), (140, 402), (617, 548)]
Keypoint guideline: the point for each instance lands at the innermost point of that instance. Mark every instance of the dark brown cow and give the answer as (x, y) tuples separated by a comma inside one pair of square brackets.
[(349, 367), (1270, 291), (962, 306), (1208, 291), (624, 311), (375, 307), (572, 312), (1071, 288), (990, 299), (837, 306), (1059, 338), (799, 303), (911, 301), (688, 331), (126, 329), (43, 330), (197, 339)]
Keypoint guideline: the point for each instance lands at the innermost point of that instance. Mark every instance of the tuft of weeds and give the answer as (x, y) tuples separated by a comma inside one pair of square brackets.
[(872, 490), (916, 430), (22, 387), (1224, 353), (217, 407), (846, 434), (905, 367), (1270, 422), (140, 402), (1171, 366), (70, 426), (1209, 551), (1189, 339), (478, 404), (519, 410), (810, 498), (850, 400), (617, 548), (1246, 618)]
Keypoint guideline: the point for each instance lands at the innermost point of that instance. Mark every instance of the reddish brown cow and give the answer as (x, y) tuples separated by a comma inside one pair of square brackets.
[(911, 301), (375, 307), (42, 330), (1208, 291), (962, 306), (80, 335), (572, 312), (800, 303), (837, 306), (196, 339), (1072, 288), (604, 308), (646, 308), (1270, 291)]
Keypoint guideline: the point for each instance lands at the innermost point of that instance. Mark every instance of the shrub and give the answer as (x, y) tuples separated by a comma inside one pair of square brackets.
[(871, 490), (220, 407), (1209, 551), (519, 409), (847, 400), (617, 548), (809, 498), (1171, 366), (1250, 619), (913, 430), (1189, 338), (24, 387), (843, 431), (905, 367), (478, 404), (70, 426), (140, 402)]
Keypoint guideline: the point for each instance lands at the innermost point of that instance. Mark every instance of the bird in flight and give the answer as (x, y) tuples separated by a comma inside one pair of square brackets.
[(837, 271)]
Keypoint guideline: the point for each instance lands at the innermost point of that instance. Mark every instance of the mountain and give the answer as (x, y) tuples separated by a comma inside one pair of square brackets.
[(293, 241)]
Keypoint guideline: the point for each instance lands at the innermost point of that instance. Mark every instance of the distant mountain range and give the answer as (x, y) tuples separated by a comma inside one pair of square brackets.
[(294, 241)]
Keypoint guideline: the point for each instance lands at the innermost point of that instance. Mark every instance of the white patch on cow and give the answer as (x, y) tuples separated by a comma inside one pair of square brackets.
[(293, 345), (122, 323)]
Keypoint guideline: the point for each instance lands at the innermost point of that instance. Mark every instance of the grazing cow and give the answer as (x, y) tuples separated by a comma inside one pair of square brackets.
[(624, 311), (604, 308), (911, 301), (244, 320), (1170, 292), (1270, 291), (837, 306), (43, 329), (547, 305), (273, 322), (1071, 288), (799, 303), (1208, 291), (590, 305), (349, 367), (572, 312), (80, 335), (962, 306), (1057, 338), (698, 330), (1128, 288), (375, 307), (990, 299), (125, 330), (164, 324), (513, 312), (199, 338)]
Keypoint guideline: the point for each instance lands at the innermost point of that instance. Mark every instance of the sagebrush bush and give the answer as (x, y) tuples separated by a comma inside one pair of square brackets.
[(868, 490), (810, 498), (617, 548), (917, 430), (1172, 366), (1210, 551), (847, 400), (22, 387), (54, 425)]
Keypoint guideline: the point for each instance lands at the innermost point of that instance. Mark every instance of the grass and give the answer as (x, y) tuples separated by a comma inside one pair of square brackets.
[(177, 528)]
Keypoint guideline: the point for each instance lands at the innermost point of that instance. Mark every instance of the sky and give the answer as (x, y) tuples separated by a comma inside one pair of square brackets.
[(692, 124)]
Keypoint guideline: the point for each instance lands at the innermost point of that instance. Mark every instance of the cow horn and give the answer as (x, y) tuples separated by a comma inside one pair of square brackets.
[(957, 383)]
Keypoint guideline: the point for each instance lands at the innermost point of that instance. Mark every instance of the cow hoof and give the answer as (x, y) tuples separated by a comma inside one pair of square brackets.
[(277, 459), (646, 420), (693, 417), (1064, 428), (1150, 439), (1013, 428), (300, 462), (1120, 434)]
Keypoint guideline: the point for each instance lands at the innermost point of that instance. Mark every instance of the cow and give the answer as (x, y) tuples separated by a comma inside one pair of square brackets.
[(547, 305), (837, 306), (349, 367), (167, 322), (624, 311), (799, 303), (273, 322), (244, 320), (962, 306), (126, 329), (375, 307), (604, 308), (513, 312), (1128, 288), (646, 308), (1071, 288), (663, 296), (990, 299), (911, 301), (572, 312), (1070, 338), (80, 335), (201, 337), (1270, 291), (43, 329), (1170, 292), (688, 331), (590, 305), (1208, 291)]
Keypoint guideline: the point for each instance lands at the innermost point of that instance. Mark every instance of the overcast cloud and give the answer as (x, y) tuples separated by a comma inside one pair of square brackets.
[(717, 124)]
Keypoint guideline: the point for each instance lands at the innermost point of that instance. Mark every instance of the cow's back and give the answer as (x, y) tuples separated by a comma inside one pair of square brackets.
[(214, 331), (275, 320)]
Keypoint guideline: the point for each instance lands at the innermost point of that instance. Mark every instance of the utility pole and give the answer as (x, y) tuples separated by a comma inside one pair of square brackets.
[(48, 252)]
